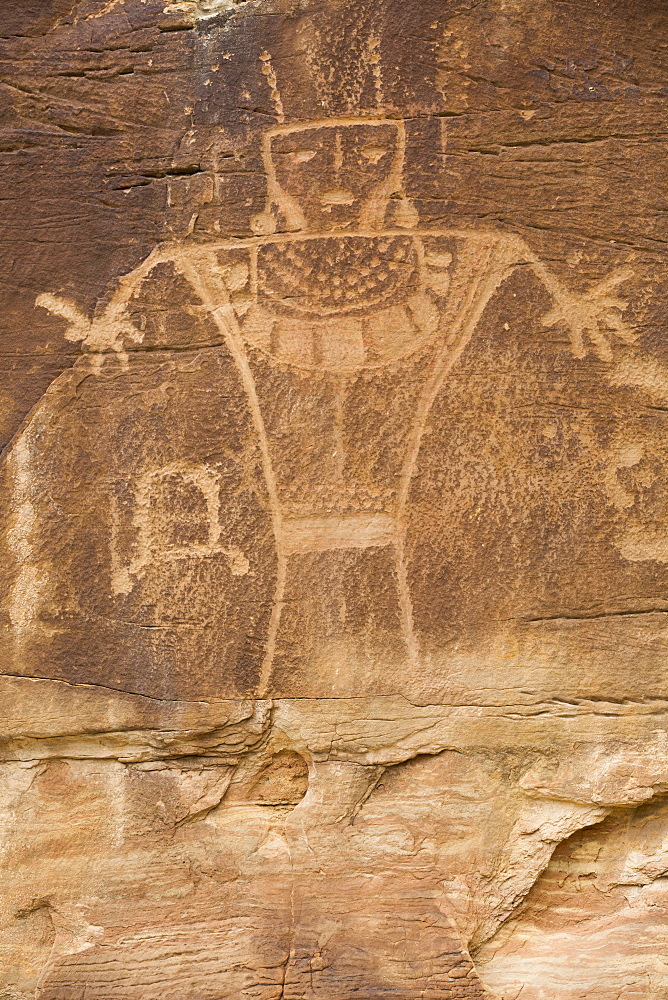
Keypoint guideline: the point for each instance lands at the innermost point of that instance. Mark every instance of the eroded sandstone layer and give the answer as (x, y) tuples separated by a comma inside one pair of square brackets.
[(334, 570)]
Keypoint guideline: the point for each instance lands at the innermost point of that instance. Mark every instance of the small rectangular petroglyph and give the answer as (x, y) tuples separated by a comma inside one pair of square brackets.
[(338, 531)]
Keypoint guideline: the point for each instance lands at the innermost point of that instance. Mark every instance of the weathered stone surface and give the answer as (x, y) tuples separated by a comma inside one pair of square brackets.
[(334, 565)]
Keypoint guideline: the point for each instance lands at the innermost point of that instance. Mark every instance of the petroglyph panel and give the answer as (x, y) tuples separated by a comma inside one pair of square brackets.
[(334, 573)]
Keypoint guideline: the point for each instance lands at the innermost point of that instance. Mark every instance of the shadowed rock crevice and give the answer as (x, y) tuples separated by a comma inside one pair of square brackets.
[(591, 898)]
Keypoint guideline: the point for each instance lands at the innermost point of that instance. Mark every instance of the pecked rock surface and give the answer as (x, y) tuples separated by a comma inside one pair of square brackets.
[(334, 574)]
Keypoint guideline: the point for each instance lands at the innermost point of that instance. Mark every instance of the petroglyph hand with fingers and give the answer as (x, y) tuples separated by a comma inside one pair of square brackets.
[(594, 319), (101, 335)]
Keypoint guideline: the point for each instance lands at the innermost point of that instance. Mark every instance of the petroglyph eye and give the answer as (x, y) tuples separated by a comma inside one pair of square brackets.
[(302, 156), (374, 154)]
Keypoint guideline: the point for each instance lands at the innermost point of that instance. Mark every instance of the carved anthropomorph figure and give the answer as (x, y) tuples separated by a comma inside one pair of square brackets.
[(278, 563), (346, 456)]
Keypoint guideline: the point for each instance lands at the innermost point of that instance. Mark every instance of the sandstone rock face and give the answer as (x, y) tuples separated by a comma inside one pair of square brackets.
[(334, 574)]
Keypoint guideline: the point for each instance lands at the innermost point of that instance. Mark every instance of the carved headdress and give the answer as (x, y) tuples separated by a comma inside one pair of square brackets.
[(346, 71)]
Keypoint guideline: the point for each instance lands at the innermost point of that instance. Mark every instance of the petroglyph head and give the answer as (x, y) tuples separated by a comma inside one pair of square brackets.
[(334, 174)]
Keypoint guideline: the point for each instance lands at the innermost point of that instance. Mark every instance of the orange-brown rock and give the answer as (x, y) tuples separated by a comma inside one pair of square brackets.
[(334, 569)]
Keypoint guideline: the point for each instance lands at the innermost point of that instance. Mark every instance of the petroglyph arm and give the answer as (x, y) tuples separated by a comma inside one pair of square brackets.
[(595, 318), (109, 331)]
